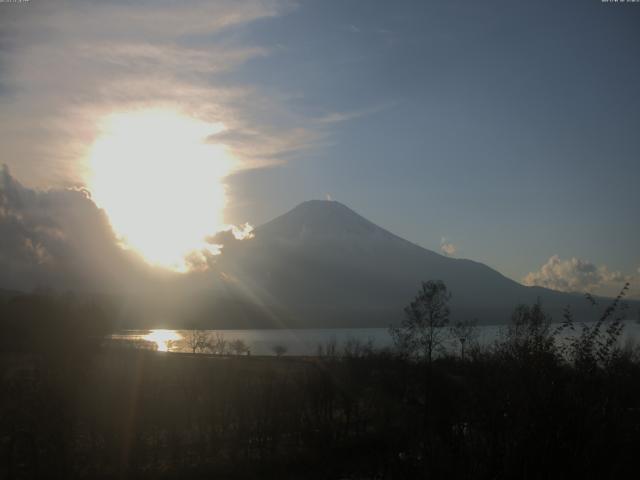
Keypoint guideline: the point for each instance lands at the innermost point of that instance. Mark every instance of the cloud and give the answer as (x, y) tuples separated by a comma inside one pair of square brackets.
[(65, 64), (447, 247), (577, 275), (59, 238), (338, 117), (224, 240), (231, 234)]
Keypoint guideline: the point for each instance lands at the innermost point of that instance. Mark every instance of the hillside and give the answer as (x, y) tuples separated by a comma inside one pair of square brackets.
[(322, 264)]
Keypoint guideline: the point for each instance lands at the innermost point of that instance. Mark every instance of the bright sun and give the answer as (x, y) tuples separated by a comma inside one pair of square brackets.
[(160, 182)]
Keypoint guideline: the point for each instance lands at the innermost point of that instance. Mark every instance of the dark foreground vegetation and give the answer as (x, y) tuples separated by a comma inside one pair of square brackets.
[(528, 407)]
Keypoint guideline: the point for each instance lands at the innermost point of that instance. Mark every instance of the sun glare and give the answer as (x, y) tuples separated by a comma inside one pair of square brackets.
[(160, 182), (162, 338)]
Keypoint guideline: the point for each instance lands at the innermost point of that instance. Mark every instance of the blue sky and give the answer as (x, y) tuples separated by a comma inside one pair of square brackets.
[(506, 129), (510, 128)]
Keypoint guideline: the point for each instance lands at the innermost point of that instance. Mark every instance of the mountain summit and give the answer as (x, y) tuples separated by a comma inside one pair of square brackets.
[(320, 217), (321, 264)]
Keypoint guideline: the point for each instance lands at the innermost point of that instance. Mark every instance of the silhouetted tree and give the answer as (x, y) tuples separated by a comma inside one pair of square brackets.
[(328, 349), (198, 340), (279, 350), (597, 343), (65, 409), (219, 344), (356, 348), (465, 332), (528, 332), (421, 332), (238, 347)]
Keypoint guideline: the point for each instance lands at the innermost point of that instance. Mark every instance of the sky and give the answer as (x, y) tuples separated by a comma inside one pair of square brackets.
[(504, 132)]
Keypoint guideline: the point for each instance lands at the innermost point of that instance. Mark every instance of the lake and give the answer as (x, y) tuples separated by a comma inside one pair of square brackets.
[(306, 341)]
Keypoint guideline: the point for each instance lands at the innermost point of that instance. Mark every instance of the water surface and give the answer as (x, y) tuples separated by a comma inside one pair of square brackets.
[(307, 341)]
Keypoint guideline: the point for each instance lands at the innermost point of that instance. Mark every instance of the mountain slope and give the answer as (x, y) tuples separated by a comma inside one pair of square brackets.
[(322, 264)]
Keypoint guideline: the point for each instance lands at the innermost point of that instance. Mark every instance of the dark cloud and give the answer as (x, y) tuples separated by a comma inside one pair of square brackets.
[(59, 238), (225, 237)]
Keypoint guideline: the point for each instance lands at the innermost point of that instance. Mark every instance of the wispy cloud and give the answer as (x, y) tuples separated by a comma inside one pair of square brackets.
[(337, 117), (65, 64)]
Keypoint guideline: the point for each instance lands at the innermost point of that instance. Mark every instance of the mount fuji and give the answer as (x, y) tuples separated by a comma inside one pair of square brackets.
[(323, 265)]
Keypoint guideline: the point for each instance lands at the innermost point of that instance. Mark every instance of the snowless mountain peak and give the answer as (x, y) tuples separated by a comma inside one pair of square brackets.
[(322, 264), (319, 217)]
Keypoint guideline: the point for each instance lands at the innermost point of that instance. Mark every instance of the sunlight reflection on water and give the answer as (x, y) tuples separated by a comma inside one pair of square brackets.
[(306, 341), (162, 338)]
